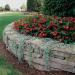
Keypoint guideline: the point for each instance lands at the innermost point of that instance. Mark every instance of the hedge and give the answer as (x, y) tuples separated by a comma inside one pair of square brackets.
[(34, 5), (59, 7)]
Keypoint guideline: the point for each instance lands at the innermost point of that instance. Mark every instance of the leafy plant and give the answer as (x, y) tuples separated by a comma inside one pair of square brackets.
[(59, 28), (59, 7)]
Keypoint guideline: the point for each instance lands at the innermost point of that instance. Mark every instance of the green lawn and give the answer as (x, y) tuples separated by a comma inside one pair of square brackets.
[(7, 18), (7, 69)]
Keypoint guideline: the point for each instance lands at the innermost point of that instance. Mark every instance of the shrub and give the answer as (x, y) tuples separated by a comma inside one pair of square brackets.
[(59, 7), (7, 7), (1, 8), (34, 5)]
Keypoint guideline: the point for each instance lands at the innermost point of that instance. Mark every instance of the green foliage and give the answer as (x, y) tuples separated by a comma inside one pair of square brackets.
[(1, 8), (34, 5), (59, 28), (6, 68), (59, 7), (29, 5), (7, 7)]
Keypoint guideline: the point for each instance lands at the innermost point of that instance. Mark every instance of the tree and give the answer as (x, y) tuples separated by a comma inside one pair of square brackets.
[(1, 8), (59, 7), (7, 7), (23, 7), (30, 5), (38, 5), (33, 5)]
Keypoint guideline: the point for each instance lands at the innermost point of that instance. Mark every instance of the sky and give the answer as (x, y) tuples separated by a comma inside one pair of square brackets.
[(14, 4)]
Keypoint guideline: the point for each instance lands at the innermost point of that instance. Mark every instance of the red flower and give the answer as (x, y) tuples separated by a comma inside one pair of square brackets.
[(49, 27), (34, 27), (16, 27), (60, 21), (44, 20), (29, 29), (55, 17), (25, 25), (66, 27), (73, 20), (34, 20), (40, 16), (52, 23), (70, 19), (40, 25), (66, 37), (42, 34), (55, 33), (72, 28), (44, 28)]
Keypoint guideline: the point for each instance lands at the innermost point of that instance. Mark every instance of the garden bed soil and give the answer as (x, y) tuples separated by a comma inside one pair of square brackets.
[(24, 67)]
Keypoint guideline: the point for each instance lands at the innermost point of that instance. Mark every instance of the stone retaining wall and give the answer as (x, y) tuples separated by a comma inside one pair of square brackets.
[(42, 53)]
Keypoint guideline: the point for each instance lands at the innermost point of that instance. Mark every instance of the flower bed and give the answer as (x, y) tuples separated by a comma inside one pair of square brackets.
[(42, 53), (59, 28)]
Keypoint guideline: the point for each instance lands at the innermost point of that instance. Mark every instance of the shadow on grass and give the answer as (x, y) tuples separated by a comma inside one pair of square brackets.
[(7, 69)]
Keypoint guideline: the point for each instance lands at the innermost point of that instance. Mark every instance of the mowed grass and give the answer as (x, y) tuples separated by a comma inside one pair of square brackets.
[(7, 69), (7, 18)]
